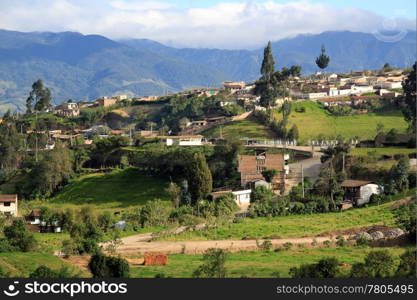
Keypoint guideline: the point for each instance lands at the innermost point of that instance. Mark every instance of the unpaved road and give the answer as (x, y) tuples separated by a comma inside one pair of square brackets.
[(135, 245)]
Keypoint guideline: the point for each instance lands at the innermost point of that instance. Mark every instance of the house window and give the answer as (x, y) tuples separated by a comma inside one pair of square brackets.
[(6, 204)]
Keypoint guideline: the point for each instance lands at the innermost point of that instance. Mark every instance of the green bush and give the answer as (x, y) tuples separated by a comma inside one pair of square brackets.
[(325, 268), (407, 267), (340, 241), (5, 246), (287, 246), (154, 213), (46, 272), (213, 266), (377, 264), (19, 237), (102, 266)]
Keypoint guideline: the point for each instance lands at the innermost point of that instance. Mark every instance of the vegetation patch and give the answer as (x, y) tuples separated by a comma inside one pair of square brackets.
[(316, 122), (117, 189)]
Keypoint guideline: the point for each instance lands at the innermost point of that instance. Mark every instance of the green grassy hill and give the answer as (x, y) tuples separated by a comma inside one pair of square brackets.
[(317, 121), (21, 264), (249, 128), (118, 189)]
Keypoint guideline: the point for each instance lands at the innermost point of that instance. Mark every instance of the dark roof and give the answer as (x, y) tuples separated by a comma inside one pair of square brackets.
[(399, 138), (355, 183), (35, 213), (8, 197)]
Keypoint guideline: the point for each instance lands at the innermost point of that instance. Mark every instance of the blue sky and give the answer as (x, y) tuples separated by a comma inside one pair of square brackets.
[(226, 24)]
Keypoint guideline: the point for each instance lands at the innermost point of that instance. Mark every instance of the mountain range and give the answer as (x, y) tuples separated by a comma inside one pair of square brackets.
[(84, 67)]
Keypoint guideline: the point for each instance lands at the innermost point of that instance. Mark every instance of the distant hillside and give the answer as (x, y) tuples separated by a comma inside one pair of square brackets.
[(84, 67), (347, 50)]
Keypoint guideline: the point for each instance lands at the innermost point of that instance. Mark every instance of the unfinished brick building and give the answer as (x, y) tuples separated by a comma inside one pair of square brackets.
[(252, 166)]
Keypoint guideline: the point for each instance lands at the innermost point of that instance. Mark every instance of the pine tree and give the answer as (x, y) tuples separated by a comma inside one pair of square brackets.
[(323, 60)]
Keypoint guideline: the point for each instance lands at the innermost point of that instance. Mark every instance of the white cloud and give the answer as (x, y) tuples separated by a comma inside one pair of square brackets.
[(226, 25)]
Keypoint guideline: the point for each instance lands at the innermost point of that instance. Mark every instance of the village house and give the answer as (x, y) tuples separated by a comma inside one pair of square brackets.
[(241, 197), (68, 109), (183, 140), (359, 192), (8, 204), (35, 224), (120, 97), (148, 133), (105, 102), (34, 218), (148, 98), (234, 87), (388, 85), (198, 123), (252, 166), (211, 92)]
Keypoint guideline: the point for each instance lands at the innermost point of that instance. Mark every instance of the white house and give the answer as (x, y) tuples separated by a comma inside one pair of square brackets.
[(359, 192), (183, 140), (8, 204), (316, 95), (358, 89), (389, 85), (34, 218), (242, 197)]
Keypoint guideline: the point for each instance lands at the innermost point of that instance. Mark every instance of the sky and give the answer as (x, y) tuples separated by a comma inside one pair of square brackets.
[(225, 24)]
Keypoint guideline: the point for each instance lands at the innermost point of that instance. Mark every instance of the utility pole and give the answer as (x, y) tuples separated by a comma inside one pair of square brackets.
[(343, 162), (302, 179), (36, 136), (130, 136)]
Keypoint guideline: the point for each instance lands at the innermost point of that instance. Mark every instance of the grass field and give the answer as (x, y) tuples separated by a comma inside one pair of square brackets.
[(249, 128), (316, 120), (379, 152), (19, 264), (259, 264), (119, 189), (296, 225)]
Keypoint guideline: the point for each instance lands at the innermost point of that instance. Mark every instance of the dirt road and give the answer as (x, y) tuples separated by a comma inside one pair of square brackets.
[(134, 245)]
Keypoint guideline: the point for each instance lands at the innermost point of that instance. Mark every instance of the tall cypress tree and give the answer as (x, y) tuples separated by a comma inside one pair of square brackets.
[(268, 63), (199, 178), (409, 111)]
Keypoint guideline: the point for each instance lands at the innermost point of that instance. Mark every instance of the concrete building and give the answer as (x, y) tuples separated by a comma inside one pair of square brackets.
[(183, 140), (8, 204)]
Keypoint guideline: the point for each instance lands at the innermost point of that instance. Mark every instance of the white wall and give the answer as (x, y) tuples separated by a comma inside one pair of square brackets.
[(366, 192), (12, 209), (242, 197)]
